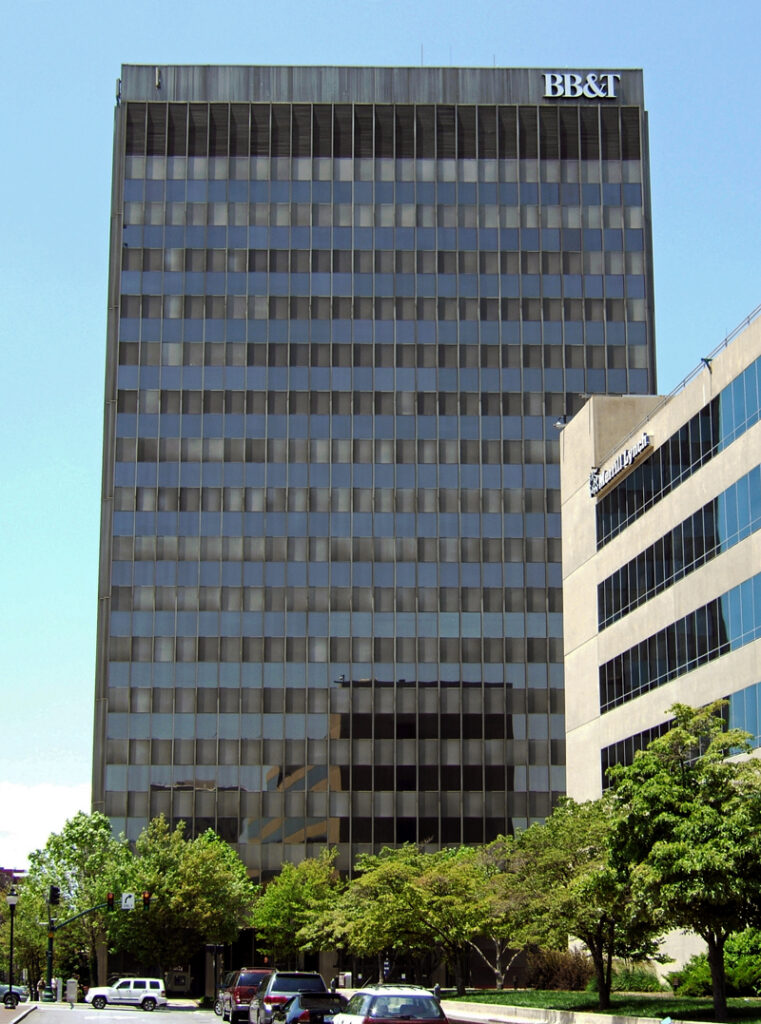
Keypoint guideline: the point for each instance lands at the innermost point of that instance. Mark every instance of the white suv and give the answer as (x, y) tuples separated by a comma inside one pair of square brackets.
[(390, 1004), (147, 993)]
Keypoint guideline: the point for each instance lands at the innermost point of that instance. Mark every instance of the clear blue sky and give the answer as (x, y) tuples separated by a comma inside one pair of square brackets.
[(59, 66)]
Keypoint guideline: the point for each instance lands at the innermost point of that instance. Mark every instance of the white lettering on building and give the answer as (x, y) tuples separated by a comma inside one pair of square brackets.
[(571, 85), (600, 478)]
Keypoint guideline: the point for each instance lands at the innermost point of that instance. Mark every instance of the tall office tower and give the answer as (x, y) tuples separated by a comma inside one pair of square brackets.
[(346, 308)]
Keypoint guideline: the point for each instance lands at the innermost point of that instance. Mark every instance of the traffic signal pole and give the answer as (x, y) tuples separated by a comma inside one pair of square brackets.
[(53, 928), (53, 899)]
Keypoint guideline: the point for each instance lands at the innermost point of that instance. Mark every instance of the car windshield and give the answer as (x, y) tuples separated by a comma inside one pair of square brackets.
[(251, 978), (298, 983), (406, 1007)]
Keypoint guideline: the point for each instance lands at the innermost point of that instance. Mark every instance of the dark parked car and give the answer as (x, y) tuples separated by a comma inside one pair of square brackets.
[(238, 994), (314, 1007), (280, 986), (224, 983)]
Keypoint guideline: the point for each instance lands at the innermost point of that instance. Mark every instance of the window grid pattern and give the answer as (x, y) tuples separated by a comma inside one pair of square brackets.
[(716, 527), (745, 712), (335, 568), (723, 625), (736, 409)]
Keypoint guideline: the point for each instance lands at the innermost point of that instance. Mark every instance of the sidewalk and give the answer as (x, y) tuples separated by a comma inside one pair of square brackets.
[(14, 1016)]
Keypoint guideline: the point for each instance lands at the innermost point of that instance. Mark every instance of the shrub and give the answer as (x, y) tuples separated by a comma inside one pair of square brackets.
[(636, 978), (742, 956), (694, 979), (742, 960), (569, 970)]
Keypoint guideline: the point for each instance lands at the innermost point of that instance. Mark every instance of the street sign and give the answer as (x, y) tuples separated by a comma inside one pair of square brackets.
[(128, 901)]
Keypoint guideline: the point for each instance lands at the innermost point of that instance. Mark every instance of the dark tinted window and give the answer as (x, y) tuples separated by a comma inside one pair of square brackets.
[(298, 983), (252, 977), (322, 1001)]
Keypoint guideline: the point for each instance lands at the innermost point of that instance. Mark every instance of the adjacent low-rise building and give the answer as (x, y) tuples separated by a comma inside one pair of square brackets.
[(661, 518)]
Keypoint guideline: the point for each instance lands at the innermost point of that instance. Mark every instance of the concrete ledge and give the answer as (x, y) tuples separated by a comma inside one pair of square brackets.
[(496, 1014)]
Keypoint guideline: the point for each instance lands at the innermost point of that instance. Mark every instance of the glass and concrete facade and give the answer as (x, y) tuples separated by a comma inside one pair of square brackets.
[(347, 307), (662, 559)]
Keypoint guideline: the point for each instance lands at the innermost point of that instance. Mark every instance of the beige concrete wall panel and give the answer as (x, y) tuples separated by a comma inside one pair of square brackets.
[(583, 764), (582, 687)]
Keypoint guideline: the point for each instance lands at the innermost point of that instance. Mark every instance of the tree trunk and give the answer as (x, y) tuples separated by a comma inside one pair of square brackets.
[(603, 980), (459, 980), (459, 962), (101, 954), (718, 976), (602, 958)]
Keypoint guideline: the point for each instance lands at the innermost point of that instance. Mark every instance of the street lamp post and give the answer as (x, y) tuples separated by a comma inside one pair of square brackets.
[(11, 999)]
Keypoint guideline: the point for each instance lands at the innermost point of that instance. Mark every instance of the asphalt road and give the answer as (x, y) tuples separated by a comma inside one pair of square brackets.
[(83, 1013)]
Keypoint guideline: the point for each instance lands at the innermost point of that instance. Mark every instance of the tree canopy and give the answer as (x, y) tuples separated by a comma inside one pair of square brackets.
[(199, 893), (82, 860), (688, 828), (675, 844), (287, 910), (573, 889)]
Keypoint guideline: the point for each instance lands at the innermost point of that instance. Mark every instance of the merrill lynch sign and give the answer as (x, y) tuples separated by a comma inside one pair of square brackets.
[(571, 85), (600, 478)]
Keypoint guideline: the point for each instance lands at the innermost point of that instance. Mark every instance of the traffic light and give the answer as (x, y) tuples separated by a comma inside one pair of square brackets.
[(146, 900), (109, 901), (54, 896)]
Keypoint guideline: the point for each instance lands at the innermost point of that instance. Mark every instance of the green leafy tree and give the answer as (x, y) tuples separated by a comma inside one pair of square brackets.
[(407, 901), (199, 892), (287, 911), (575, 890), (82, 860), (463, 897), (688, 828), (371, 917), (503, 899)]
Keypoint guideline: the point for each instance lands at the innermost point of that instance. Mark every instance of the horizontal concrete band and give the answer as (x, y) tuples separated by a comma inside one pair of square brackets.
[(497, 1014)]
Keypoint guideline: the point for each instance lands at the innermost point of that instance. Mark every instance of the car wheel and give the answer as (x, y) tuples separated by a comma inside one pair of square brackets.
[(10, 1000), (149, 1005), (218, 1007), (99, 1002)]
